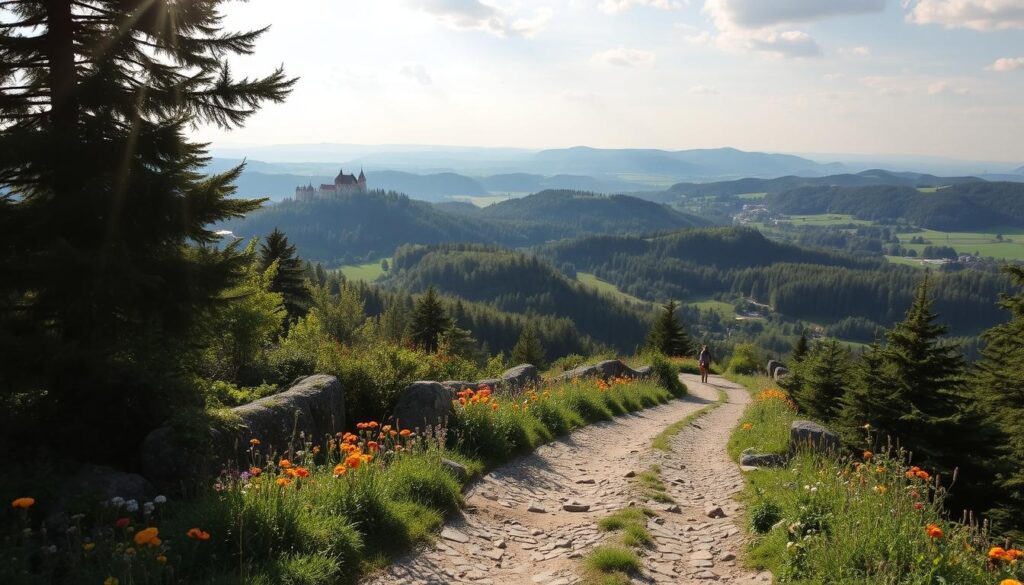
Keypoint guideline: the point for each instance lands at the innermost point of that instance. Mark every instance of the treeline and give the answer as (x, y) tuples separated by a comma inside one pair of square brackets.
[(914, 389), (518, 283), (797, 282), (959, 207)]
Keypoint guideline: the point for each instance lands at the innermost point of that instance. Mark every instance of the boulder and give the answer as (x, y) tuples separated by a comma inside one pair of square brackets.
[(804, 434), (645, 371), (772, 364), (520, 377), (311, 408), (494, 384), (456, 386), (457, 469), (423, 404), (88, 485), (606, 370), (780, 373), (751, 458)]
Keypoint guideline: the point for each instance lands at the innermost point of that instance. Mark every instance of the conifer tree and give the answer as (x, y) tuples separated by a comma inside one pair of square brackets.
[(668, 335), (528, 349), (824, 379), (999, 386), (455, 341), (106, 256), (429, 320), (290, 280), (801, 348)]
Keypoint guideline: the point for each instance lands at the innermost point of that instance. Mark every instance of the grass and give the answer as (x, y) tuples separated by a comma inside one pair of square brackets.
[(984, 243), (653, 488), (594, 282), (614, 563), (663, 441), (752, 196), (903, 260), (852, 519), (726, 310), (368, 272)]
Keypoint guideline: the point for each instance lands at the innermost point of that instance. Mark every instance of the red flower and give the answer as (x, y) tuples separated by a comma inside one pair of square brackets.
[(122, 522)]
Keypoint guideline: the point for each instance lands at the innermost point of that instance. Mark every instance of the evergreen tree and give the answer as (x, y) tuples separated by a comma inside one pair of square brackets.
[(528, 350), (801, 348), (824, 379), (106, 256), (429, 320), (668, 335), (458, 342), (867, 402), (290, 281), (999, 386)]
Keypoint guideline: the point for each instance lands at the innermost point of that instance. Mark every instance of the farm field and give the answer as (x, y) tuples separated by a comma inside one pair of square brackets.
[(726, 310), (368, 272), (592, 281), (751, 196), (983, 244)]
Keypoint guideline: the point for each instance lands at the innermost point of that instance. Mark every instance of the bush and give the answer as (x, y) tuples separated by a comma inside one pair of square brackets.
[(667, 376), (747, 359), (764, 516)]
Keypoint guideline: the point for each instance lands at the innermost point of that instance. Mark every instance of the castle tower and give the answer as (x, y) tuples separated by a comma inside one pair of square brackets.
[(362, 181)]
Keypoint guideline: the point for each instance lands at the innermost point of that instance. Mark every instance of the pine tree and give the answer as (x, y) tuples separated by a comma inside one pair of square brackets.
[(668, 335), (458, 342), (824, 379), (107, 258), (429, 320), (528, 349), (291, 279), (999, 386), (801, 348)]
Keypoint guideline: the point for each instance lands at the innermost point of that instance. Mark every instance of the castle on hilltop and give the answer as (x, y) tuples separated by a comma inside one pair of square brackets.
[(343, 184)]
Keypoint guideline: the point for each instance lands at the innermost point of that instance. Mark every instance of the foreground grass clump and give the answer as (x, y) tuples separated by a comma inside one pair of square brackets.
[(653, 487), (765, 423), (613, 564), (663, 441), (869, 518)]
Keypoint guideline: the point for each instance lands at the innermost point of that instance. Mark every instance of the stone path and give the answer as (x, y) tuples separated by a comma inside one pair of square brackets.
[(533, 520)]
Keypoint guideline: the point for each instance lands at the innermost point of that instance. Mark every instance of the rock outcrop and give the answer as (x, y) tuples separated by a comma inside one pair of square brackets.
[(423, 404), (520, 377), (780, 373), (312, 407), (805, 434), (606, 370), (751, 458), (772, 366)]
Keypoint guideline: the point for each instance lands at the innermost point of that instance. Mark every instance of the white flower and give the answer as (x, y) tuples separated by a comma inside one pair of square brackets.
[(116, 502), (160, 499), (131, 506), (147, 508)]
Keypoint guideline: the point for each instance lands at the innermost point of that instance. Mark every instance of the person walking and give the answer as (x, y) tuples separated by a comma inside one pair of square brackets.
[(704, 361)]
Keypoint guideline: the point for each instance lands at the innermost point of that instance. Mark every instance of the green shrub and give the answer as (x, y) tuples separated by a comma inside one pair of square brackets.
[(746, 359), (764, 515), (613, 559), (667, 376)]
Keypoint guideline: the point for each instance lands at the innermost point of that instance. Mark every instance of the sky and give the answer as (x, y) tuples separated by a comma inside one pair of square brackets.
[(925, 77)]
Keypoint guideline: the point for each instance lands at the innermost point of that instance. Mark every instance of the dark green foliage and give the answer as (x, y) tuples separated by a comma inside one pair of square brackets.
[(528, 350), (668, 376), (801, 348), (999, 384), (290, 280), (107, 256), (820, 381), (429, 321), (764, 515), (668, 336)]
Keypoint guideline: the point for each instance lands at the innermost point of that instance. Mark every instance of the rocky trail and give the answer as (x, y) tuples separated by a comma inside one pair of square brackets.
[(532, 521)]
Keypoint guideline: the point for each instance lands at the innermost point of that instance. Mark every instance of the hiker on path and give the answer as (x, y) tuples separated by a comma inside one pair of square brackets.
[(704, 361)]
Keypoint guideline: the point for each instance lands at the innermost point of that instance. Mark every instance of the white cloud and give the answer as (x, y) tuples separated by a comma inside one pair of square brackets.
[(700, 38), (703, 90), (623, 57), (981, 15), (833, 76), (619, 6), (948, 88), (479, 15), (1006, 64), (764, 13), (789, 44), (855, 51), (417, 72)]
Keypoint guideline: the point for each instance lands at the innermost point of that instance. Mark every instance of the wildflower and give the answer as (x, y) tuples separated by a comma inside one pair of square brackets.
[(918, 506), (148, 507), (405, 433), (373, 445), (88, 546), (916, 472), (868, 455), (353, 461), (372, 424), (116, 581), (284, 464), (116, 502), (197, 534), (122, 522), (1010, 582), (494, 406), (300, 472), (283, 481), (1014, 554), (867, 426), (23, 503), (160, 500), (255, 471), (361, 426), (934, 531), (147, 536), (881, 489), (997, 553), (340, 470), (162, 559), (316, 450), (254, 441), (747, 426), (131, 506)]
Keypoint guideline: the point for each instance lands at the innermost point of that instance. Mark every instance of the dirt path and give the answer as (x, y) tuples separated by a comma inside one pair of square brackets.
[(515, 530)]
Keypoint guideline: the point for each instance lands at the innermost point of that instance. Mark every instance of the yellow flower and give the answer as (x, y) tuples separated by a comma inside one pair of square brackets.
[(161, 559), (747, 426), (111, 581), (881, 489), (147, 536), (23, 503), (88, 546)]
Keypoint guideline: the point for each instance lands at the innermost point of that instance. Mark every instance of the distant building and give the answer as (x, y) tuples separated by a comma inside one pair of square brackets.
[(343, 185)]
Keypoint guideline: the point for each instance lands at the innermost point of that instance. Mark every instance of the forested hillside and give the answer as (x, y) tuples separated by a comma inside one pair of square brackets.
[(961, 207), (800, 283), (518, 283)]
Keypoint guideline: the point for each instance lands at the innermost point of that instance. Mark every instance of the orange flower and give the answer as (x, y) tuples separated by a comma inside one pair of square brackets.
[(997, 553), (284, 464), (23, 503), (316, 450), (494, 406), (373, 424), (283, 481), (881, 489), (255, 471), (254, 441), (393, 433), (868, 455), (385, 428), (148, 536), (361, 425), (934, 531), (373, 445), (1014, 554), (916, 472), (198, 534), (747, 426), (353, 461), (1010, 582), (340, 469), (405, 433), (298, 472)]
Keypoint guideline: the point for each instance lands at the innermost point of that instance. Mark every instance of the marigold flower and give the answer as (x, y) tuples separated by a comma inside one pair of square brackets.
[(88, 546), (868, 455), (255, 471), (283, 481), (373, 445), (122, 522), (197, 534), (23, 503), (300, 472), (393, 433), (111, 581), (316, 450), (934, 531), (1010, 582), (881, 489), (361, 425), (997, 553), (353, 461), (162, 559), (405, 433), (747, 426), (1014, 554), (340, 469), (373, 424), (254, 441), (147, 536)]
